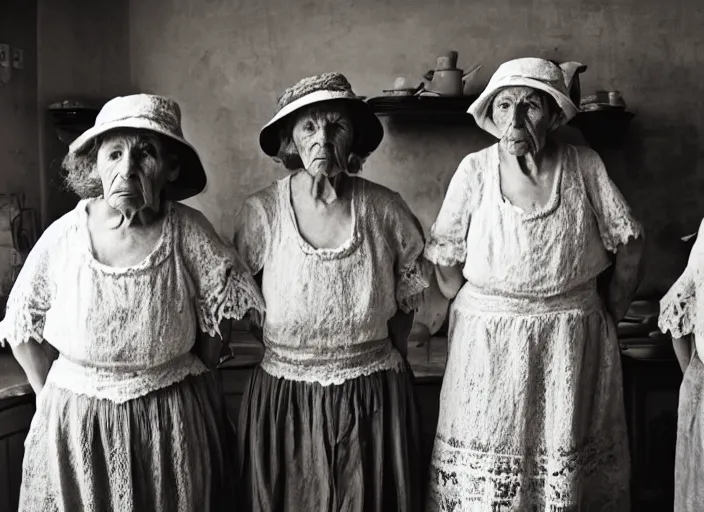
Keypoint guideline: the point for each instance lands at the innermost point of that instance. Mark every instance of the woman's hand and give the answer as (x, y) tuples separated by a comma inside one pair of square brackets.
[(35, 361), (627, 275)]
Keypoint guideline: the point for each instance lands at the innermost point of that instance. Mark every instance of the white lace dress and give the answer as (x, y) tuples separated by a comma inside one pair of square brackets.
[(531, 410), (327, 309), (130, 419), (328, 421)]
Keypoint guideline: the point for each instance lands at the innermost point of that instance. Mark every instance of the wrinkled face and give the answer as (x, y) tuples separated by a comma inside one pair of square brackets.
[(133, 170), (323, 136), (523, 117)]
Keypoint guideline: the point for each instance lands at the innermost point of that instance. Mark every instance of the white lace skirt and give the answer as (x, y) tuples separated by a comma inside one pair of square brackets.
[(531, 409)]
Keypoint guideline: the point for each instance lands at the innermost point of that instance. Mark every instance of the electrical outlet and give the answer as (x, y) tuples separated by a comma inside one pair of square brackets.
[(18, 58), (4, 55)]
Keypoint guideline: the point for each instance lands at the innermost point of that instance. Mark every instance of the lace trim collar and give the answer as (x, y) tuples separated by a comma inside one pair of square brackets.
[(159, 253), (348, 247), (555, 194)]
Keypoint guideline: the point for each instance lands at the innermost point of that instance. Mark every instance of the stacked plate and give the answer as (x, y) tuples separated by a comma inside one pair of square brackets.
[(604, 101)]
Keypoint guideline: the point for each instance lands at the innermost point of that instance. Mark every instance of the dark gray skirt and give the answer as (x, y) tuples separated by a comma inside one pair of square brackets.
[(171, 450), (689, 460), (352, 447)]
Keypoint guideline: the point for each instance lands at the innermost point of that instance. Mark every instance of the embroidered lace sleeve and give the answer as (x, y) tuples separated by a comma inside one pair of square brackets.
[(447, 243), (616, 222), (224, 285), (407, 242), (32, 292), (252, 234), (678, 306)]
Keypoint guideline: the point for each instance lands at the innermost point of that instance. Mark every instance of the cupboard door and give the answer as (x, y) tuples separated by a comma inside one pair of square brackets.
[(5, 486), (651, 393), (15, 417), (234, 381)]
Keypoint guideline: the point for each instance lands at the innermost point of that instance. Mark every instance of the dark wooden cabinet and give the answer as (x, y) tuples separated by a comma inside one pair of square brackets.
[(15, 417), (234, 380), (651, 393)]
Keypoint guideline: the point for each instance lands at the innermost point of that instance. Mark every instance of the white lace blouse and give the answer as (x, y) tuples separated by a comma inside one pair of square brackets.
[(505, 251), (680, 308), (327, 309), (124, 332)]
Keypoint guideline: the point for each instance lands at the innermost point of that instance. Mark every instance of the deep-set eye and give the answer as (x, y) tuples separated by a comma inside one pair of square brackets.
[(147, 150), (115, 155), (309, 126), (504, 105)]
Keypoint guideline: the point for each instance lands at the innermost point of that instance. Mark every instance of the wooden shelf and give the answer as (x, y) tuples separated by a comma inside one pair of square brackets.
[(601, 128), (423, 109)]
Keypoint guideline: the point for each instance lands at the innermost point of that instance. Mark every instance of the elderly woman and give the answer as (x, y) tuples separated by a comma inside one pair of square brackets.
[(128, 417), (531, 411), (328, 420)]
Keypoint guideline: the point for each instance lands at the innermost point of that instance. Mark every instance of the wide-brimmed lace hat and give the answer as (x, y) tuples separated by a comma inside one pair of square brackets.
[(156, 114), (539, 74), (328, 87)]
